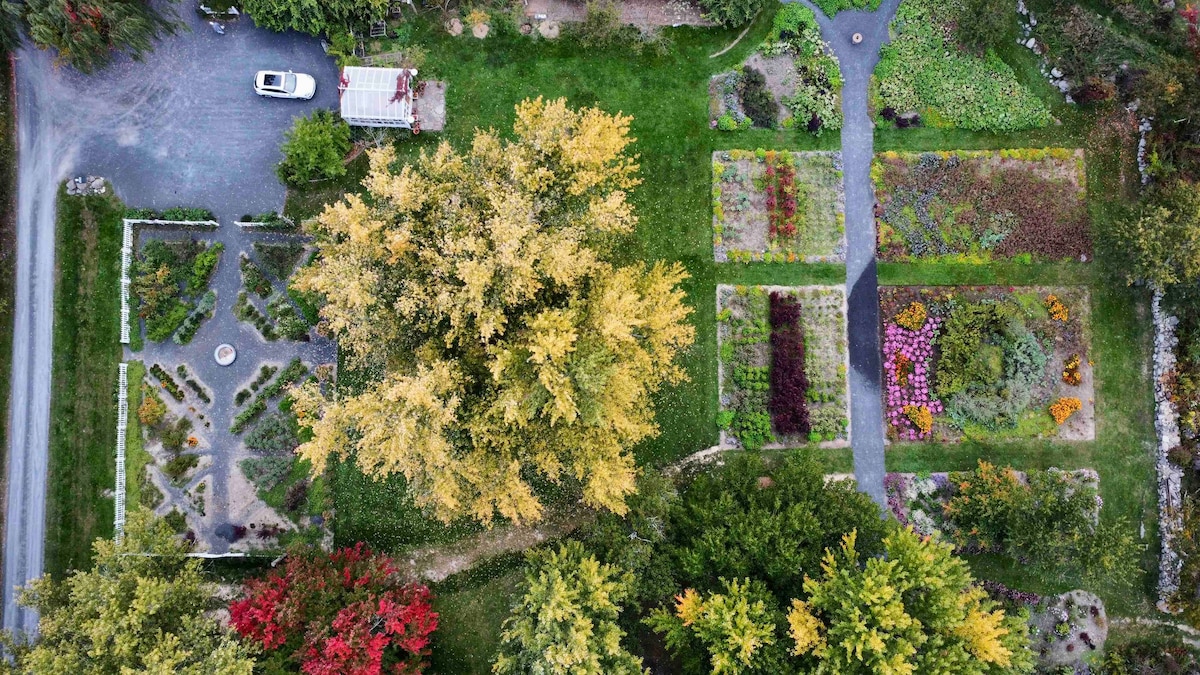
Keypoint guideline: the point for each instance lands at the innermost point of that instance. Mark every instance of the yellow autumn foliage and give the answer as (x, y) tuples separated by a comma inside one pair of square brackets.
[(478, 287)]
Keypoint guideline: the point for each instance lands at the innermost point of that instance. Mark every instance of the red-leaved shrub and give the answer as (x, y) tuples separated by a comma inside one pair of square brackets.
[(341, 613)]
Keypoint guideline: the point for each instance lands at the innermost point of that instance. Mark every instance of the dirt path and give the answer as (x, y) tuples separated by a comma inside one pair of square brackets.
[(436, 563)]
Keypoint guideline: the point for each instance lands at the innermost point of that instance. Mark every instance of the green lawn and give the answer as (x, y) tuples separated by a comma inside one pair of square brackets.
[(83, 411), (472, 607), (136, 456)]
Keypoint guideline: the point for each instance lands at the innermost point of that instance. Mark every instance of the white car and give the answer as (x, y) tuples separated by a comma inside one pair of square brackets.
[(278, 84)]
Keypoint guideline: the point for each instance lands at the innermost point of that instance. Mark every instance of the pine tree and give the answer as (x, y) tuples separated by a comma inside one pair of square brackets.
[(88, 35)]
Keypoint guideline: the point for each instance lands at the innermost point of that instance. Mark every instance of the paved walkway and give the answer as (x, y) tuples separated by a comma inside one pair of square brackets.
[(226, 498), (858, 145)]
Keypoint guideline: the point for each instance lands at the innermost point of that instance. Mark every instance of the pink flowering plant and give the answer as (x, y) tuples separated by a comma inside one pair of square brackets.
[(907, 376)]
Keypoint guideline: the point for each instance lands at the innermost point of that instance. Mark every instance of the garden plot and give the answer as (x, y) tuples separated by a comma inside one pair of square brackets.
[(792, 81), (976, 206), (170, 279), (986, 363), (782, 362), (778, 206), (925, 77), (266, 300)]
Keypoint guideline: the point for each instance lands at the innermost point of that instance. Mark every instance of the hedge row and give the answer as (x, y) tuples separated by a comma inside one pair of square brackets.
[(290, 375)]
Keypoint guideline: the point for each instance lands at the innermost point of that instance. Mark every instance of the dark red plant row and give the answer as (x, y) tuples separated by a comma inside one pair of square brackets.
[(781, 200), (788, 403)]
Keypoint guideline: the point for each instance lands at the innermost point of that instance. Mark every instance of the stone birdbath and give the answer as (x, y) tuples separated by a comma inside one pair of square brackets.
[(225, 354), (856, 38)]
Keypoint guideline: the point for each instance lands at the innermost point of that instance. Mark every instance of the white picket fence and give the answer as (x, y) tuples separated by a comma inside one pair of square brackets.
[(126, 262), (122, 424)]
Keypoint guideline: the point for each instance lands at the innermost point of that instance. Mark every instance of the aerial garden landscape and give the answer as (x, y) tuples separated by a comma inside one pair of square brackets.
[(651, 334)]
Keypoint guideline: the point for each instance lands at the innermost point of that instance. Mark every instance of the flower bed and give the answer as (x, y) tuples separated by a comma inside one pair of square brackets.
[(986, 362), (802, 76), (778, 206), (923, 71), (782, 366), (975, 206)]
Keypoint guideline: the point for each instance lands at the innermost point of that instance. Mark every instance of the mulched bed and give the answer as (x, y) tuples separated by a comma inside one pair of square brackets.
[(978, 206)]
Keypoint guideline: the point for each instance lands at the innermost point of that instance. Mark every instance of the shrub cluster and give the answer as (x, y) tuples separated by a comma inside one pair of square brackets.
[(290, 375), (253, 278), (266, 472), (757, 101), (276, 433), (174, 213), (204, 310), (816, 102), (244, 310), (788, 402), (288, 322), (279, 259), (167, 381), (163, 271), (179, 465), (193, 384)]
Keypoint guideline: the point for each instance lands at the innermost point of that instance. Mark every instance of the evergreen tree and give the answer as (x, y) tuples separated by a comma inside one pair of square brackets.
[(566, 622), (88, 35)]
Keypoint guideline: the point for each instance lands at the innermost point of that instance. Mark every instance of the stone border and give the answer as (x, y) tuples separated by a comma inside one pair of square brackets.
[(1166, 423)]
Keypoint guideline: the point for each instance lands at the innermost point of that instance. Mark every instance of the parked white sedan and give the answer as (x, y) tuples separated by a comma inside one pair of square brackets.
[(278, 84)]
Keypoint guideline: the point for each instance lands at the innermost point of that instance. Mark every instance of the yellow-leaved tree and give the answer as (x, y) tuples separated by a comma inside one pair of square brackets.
[(509, 347)]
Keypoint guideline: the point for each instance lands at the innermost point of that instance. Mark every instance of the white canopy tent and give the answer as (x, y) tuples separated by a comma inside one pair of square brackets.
[(378, 97)]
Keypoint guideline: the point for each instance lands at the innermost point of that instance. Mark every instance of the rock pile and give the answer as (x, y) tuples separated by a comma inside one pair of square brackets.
[(89, 185), (1027, 21), (1166, 422)]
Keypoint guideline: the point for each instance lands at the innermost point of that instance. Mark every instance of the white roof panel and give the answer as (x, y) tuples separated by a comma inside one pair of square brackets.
[(371, 93)]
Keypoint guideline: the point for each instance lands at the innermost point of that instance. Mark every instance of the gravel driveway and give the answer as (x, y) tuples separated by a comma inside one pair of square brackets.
[(182, 128)]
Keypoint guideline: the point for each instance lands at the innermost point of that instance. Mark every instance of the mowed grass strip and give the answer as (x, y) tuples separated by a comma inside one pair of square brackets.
[(83, 407)]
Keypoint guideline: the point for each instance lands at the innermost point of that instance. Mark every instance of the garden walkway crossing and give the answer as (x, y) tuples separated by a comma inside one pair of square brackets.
[(857, 62)]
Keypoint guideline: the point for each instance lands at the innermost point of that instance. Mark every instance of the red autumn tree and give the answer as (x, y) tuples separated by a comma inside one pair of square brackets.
[(342, 613)]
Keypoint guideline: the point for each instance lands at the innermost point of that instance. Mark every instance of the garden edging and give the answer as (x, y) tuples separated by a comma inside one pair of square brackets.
[(1166, 424)]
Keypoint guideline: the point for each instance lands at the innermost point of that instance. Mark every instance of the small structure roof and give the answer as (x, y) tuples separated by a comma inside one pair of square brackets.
[(377, 97)]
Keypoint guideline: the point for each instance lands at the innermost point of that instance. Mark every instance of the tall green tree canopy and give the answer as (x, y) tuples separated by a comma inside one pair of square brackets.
[(315, 17), (1164, 238), (314, 148), (566, 622), (140, 609), (88, 35), (479, 286), (771, 523)]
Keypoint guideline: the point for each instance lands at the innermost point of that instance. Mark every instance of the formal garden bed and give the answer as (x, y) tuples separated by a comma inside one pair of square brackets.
[(778, 206), (169, 283), (275, 313), (978, 206), (792, 81), (993, 363), (782, 363), (925, 77)]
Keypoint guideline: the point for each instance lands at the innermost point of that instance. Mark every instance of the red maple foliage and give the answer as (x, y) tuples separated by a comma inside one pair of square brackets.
[(341, 613)]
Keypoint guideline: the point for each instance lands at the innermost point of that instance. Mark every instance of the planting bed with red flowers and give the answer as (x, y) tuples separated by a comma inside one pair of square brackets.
[(782, 366), (986, 362), (778, 206), (977, 206)]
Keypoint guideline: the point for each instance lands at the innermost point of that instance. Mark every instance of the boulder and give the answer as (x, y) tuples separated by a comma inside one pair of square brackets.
[(1056, 73), (96, 184), (1030, 43)]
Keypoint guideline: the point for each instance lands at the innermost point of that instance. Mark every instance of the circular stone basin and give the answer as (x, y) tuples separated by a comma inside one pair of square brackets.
[(856, 38), (225, 354)]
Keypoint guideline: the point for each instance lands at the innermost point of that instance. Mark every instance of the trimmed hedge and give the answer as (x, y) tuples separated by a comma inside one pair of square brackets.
[(290, 375), (167, 381), (204, 310)]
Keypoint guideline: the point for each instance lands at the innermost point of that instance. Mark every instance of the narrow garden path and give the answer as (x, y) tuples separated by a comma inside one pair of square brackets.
[(857, 62)]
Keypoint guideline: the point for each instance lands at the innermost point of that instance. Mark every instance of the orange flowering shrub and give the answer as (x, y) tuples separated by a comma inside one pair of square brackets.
[(192, 441), (904, 367), (913, 317), (1064, 407), (920, 416), (1058, 311), (1071, 374)]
